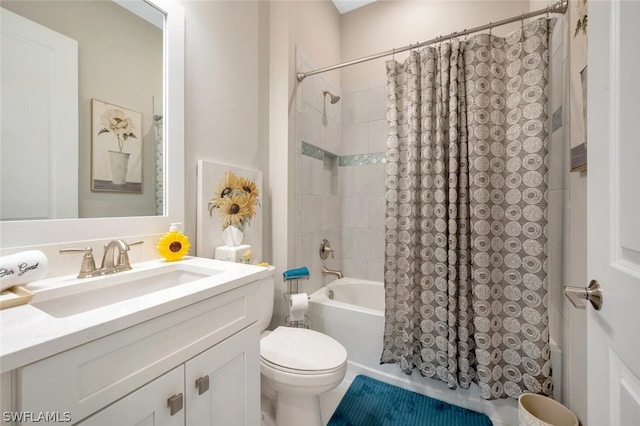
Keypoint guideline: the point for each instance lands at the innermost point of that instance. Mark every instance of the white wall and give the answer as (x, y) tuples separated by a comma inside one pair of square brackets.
[(226, 92)]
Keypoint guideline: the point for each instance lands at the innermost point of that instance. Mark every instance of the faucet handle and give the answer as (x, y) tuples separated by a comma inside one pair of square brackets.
[(122, 261), (88, 266), (325, 249)]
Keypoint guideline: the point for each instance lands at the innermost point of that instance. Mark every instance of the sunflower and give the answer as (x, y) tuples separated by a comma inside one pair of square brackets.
[(233, 210), (224, 189), (236, 199), (248, 187), (173, 246), (249, 190)]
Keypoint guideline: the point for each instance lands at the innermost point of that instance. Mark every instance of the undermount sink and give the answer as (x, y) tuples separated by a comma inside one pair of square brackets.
[(82, 295)]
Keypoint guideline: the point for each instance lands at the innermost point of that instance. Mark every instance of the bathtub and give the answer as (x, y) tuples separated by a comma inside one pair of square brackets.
[(352, 312)]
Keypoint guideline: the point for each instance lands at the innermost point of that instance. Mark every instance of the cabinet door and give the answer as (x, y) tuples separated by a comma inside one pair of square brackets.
[(147, 406), (232, 368)]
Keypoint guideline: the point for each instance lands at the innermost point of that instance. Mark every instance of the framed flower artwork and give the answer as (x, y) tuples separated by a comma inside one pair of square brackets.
[(116, 148), (228, 196)]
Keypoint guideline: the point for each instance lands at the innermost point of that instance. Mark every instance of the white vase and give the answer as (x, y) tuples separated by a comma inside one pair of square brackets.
[(233, 235), (119, 164)]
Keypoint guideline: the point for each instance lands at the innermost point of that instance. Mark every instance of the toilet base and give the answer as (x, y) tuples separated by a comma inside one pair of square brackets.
[(294, 410)]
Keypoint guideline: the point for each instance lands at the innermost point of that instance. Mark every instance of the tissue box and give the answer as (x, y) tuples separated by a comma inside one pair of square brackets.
[(231, 254)]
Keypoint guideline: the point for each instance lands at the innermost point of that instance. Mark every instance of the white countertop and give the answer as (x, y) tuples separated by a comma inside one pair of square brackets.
[(28, 334)]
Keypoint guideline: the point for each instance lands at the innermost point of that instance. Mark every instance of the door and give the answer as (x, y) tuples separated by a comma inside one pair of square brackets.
[(223, 383), (39, 121), (613, 212), (158, 403)]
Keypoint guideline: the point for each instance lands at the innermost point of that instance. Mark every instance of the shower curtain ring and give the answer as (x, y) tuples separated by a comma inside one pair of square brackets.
[(522, 21), (490, 29)]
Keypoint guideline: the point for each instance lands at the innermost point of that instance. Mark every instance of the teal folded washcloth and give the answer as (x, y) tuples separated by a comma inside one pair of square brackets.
[(296, 273)]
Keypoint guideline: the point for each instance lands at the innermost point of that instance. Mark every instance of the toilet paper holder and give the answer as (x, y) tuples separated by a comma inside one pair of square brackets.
[(293, 288)]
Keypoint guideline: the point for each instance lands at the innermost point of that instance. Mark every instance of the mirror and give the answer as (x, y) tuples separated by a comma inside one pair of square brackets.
[(113, 213), (57, 56)]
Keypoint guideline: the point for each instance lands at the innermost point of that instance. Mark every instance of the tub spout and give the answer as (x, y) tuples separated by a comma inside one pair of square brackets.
[(326, 271)]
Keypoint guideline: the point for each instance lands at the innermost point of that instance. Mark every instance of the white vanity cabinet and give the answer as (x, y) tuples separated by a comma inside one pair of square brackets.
[(218, 387), (146, 406), (205, 354), (223, 383)]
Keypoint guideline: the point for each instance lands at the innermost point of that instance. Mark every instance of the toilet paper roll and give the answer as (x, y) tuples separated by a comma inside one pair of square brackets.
[(298, 305), (22, 268)]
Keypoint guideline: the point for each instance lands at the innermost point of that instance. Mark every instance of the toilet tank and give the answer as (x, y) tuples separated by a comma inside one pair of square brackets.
[(267, 288)]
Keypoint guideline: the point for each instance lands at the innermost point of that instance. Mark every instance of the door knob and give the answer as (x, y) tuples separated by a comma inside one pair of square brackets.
[(577, 295)]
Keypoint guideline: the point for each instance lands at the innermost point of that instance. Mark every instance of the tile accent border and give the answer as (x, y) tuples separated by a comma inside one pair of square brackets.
[(312, 151), (344, 160), (363, 159)]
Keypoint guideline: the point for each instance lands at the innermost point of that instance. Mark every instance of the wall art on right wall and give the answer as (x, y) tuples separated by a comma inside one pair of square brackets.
[(578, 87)]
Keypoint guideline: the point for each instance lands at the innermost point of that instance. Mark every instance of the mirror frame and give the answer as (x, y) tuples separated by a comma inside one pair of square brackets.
[(24, 233)]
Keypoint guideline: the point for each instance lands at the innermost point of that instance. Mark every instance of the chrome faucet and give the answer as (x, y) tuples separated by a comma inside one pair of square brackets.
[(111, 264), (326, 271)]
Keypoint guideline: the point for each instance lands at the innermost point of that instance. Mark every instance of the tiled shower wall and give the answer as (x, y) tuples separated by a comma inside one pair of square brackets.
[(361, 179), (340, 155), (318, 138)]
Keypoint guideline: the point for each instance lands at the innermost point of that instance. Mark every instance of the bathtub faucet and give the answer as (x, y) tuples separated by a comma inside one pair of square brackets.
[(326, 271)]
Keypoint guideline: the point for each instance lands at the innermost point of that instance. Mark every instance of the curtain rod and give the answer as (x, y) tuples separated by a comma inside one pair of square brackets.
[(559, 7)]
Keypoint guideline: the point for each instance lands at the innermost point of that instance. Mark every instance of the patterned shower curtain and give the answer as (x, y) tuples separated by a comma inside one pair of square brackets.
[(466, 213)]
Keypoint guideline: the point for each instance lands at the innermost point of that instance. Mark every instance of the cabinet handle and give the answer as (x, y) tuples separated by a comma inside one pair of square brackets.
[(175, 403), (202, 384)]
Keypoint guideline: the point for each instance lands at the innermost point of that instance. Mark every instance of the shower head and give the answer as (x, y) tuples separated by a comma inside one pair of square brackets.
[(334, 98)]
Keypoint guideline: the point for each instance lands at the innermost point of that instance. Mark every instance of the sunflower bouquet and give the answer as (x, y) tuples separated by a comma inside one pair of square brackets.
[(236, 199)]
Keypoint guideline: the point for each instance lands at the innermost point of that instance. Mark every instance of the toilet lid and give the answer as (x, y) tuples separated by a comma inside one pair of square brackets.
[(302, 349)]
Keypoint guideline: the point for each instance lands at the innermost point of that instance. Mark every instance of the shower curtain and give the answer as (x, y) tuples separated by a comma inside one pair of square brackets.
[(466, 213)]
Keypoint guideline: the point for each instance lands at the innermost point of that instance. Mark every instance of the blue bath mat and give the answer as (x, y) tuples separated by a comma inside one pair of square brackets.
[(369, 402)]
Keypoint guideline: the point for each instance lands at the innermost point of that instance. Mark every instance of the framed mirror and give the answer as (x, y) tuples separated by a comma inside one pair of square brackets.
[(158, 109)]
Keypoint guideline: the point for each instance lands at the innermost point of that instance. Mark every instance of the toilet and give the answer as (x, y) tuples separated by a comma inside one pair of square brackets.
[(296, 366)]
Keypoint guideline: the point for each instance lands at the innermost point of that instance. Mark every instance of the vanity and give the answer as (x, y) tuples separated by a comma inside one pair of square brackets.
[(134, 348)]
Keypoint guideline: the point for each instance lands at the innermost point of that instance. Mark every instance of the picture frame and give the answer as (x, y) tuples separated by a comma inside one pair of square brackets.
[(578, 88), (579, 153), (116, 148), (208, 229)]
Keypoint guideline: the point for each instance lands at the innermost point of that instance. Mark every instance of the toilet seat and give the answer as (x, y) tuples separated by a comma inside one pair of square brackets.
[(302, 351), (294, 371)]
